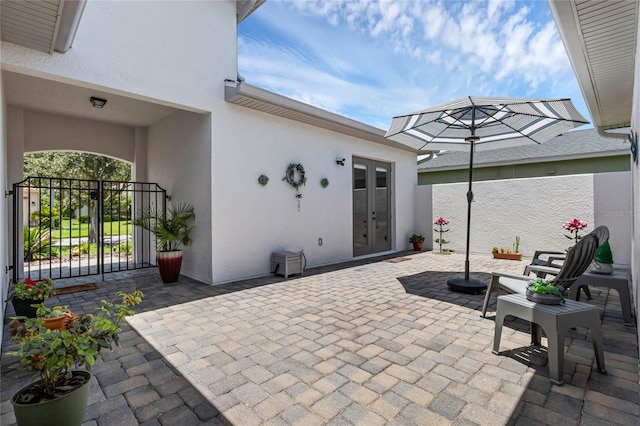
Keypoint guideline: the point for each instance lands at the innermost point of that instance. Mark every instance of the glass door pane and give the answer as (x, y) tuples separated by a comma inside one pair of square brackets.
[(371, 207), (381, 214), (360, 209)]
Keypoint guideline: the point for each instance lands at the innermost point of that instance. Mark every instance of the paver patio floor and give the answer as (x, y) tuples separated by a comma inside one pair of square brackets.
[(380, 341)]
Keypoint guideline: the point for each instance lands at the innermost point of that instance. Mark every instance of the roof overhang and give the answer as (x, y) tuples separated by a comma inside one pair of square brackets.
[(245, 8), (600, 38), (583, 156), (51, 25), (248, 96), (41, 25)]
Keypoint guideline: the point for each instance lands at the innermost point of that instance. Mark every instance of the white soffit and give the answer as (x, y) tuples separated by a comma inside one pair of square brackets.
[(43, 25), (245, 8), (600, 37), (271, 103)]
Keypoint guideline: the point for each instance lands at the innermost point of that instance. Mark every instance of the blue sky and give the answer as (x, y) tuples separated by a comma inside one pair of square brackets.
[(371, 60)]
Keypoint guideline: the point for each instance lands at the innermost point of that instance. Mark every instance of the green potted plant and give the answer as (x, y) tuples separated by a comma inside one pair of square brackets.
[(507, 253), (59, 396), (55, 318), (542, 291), (25, 294), (172, 231), (417, 241)]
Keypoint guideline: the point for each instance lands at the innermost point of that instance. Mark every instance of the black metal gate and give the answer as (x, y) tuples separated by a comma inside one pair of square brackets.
[(65, 228)]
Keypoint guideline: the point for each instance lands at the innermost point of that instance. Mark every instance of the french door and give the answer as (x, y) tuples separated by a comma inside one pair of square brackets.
[(371, 206)]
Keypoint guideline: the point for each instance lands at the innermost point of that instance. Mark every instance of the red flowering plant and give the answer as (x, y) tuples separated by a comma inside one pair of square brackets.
[(32, 290), (441, 221), (574, 227)]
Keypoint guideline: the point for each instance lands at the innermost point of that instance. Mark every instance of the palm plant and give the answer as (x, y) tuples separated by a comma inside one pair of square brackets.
[(173, 229), (37, 243)]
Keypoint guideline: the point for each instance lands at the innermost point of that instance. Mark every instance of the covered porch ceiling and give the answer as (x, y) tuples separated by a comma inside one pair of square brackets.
[(600, 37)]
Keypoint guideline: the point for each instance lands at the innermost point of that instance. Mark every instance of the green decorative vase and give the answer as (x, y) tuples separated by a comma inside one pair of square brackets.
[(68, 410)]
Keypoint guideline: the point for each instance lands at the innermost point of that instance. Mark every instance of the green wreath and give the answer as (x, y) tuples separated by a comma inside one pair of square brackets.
[(291, 175)]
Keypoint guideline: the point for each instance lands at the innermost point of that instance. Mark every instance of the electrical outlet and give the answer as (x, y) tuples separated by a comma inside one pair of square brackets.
[(320, 241)]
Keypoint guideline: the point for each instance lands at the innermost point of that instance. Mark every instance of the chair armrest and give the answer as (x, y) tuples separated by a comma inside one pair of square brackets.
[(539, 253), (540, 268), (507, 275)]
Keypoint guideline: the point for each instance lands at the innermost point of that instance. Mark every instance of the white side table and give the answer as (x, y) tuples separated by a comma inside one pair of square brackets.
[(286, 263)]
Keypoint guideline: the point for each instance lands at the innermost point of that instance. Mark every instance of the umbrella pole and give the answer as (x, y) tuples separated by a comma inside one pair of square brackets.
[(467, 285), (472, 140)]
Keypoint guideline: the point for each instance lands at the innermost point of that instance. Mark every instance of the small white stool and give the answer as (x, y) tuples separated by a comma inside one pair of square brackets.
[(286, 263)]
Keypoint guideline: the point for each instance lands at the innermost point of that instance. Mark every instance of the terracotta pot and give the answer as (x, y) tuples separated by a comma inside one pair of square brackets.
[(169, 265), (417, 246), (57, 323), (509, 256)]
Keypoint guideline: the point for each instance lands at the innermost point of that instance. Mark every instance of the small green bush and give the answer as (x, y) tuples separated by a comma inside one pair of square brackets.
[(125, 247)]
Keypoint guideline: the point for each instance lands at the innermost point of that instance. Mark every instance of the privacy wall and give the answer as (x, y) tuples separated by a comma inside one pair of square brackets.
[(533, 209)]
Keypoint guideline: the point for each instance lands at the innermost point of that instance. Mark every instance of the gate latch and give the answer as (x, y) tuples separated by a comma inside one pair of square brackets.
[(7, 193)]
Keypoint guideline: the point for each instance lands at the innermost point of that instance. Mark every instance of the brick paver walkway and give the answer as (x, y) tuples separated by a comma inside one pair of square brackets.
[(366, 343)]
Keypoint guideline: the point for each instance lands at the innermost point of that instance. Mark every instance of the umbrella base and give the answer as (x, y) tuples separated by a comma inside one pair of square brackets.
[(466, 286)]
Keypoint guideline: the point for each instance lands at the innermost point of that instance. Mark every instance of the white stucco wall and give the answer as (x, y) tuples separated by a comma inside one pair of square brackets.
[(180, 148), (424, 215), (535, 209), (613, 207), (5, 228), (635, 190), (47, 132), (251, 221)]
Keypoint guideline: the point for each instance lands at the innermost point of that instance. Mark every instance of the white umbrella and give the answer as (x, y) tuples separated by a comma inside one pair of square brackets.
[(478, 123)]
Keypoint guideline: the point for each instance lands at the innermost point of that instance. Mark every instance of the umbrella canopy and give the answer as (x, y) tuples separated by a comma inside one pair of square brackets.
[(478, 123)]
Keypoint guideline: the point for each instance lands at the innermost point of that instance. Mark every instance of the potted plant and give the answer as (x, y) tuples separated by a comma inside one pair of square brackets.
[(60, 395), (441, 222), (506, 253), (541, 291), (172, 231), (55, 318), (417, 241), (25, 294)]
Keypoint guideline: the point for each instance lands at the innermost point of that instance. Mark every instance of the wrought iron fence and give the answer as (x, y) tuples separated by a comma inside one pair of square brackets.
[(65, 228)]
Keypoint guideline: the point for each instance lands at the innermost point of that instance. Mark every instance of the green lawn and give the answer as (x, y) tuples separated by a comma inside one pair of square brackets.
[(76, 229)]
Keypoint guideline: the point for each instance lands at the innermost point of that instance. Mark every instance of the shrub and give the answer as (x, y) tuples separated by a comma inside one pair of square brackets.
[(125, 248), (37, 243)]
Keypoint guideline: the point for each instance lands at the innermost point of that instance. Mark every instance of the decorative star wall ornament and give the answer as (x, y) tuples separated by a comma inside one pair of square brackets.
[(633, 139)]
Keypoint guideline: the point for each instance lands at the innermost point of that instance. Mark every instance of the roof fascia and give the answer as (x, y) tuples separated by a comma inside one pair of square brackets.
[(68, 25), (271, 103), (565, 16), (528, 161)]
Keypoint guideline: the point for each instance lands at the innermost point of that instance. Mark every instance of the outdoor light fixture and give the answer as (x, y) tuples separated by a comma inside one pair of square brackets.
[(97, 102), (340, 161)]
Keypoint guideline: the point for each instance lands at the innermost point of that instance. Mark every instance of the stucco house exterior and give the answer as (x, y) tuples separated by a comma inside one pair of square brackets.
[(601, 39), (178, 112)]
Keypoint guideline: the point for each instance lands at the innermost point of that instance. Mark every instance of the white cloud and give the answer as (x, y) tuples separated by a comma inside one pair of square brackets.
[(373, 59)]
